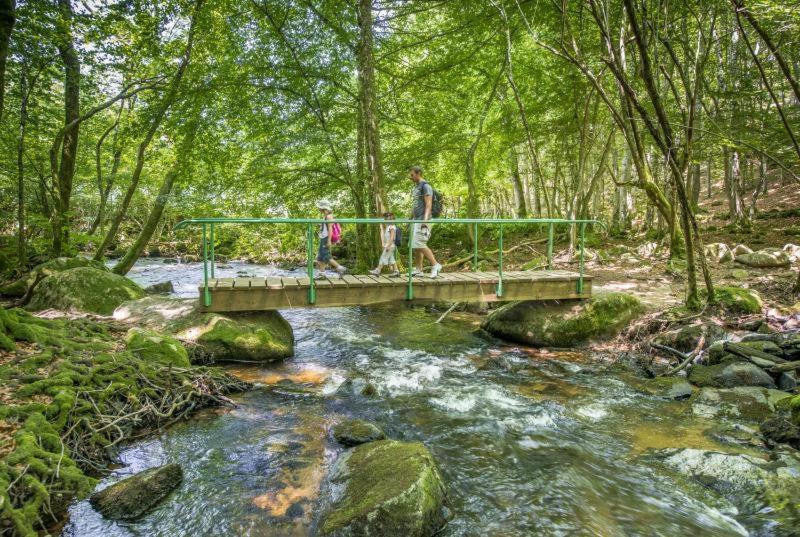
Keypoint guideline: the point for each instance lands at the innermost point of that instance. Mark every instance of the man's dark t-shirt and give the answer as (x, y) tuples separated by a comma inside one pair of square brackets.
[(418, 194)]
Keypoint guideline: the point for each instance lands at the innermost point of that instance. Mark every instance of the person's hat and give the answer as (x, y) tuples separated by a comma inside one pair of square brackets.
[(324, 205)]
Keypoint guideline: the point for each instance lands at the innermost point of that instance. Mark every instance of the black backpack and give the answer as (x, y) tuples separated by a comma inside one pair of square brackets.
[(437, 202), (398, 236)]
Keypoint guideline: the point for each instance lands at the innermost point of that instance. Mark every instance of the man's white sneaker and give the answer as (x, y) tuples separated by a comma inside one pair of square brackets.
[(375, 272), (416, 272), (435, 270)]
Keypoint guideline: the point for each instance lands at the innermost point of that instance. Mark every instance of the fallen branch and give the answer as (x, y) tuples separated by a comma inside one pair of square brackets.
[(445, 314), (505, 252), (687, 358)]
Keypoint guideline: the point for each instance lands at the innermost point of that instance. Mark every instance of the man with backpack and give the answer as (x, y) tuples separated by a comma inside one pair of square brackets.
[(426, 203), (328, 234)]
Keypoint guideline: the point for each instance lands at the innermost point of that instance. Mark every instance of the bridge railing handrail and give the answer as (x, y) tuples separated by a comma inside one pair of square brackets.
[(207, 225)]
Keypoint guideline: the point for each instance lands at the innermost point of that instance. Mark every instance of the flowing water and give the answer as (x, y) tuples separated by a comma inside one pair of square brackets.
[(529, 442)]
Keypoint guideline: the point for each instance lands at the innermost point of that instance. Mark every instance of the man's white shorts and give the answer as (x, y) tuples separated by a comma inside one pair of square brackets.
[(421, 235)]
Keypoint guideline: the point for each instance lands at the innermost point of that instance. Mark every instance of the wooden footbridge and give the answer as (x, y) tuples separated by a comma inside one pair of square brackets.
[(280, 292)]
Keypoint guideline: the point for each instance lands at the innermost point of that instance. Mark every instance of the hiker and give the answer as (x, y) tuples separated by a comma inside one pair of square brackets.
[(390, 239), (422, 209), (328, 234)]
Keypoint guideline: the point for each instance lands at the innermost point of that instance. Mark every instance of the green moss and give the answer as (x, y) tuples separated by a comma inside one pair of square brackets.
[(61, 392), (85, 289), (566, 323), (738, 299), (391, 488), (794, 407), (356, 432), (59, 264), (152, 346)]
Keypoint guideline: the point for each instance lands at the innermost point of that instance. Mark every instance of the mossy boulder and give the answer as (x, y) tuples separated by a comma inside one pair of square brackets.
[(730, 374), (766, 258), (213, 337), (134, 496), (385, 488), (150, 345), (794, 408), (356, 432), (566, 323), (746, 403), (664, 387), (738, 299), (59, 264), (84, 289)]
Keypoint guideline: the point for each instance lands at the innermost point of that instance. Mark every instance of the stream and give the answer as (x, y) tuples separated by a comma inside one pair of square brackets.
[(529, 442)]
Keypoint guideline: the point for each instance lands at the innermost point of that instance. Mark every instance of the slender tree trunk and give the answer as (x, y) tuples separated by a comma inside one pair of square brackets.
[(369, 108), (158, 116), (23, 122), (7, 20), (104, 187), (516, 180), (150, 225), (69, 148)]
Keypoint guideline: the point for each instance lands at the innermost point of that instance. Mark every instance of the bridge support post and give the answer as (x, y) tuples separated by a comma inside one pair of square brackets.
[(475, 246), (500, 264), (550, 237), (581, 257), (206, 293), (213, 261), (410, 288), (312, 290)]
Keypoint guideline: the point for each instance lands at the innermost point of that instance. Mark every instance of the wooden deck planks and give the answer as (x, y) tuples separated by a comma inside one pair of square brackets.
[(256, 294)]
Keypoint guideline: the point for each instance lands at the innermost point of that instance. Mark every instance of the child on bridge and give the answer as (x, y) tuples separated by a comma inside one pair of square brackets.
[(390, 239), (328, 234)]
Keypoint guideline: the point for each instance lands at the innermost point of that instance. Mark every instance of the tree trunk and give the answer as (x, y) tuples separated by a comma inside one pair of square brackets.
[(158, 116), (160, 203), (23, 122), (369, 108), (69, 148), (104, 187), (516, 180), (7, 20)]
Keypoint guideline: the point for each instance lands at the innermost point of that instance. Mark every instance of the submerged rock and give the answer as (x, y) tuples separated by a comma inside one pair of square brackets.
[(665, 387), (161, 288), (234, 337), (743, 403), (566, 323), (356, 432), (84, 289), (752, 484), (53, 266), (134, 496), (156, 347), (730, 374), (385, 488)]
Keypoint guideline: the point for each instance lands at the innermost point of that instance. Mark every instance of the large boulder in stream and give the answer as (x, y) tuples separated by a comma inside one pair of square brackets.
[(213, 337), (753, 485), (84, 289), (385, 488), (730, 374), (566, 323), (134, 496), (48, 268)]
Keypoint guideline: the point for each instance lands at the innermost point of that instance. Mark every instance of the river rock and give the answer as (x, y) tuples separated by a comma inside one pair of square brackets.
[(59, 264), (565, 323), (233, 337), (385, 487), (134, 496), (766, 258), (665, 387), (749, 482), (356, 432), (730, 374), (779, 430), (718, 252), (743, 403), (161, 288), (686, 338), (156, 347), (84, 289)]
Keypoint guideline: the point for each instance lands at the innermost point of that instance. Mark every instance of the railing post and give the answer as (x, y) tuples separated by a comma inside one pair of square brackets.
[(580, 258), (312, 291), (206, 293), (500, 264), (475, 246), (410, 288), (550, 246), (211, 239)]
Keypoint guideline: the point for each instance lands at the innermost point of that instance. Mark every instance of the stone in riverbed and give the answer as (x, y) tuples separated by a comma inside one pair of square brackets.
[(233, 337), (156, 347), (134, 496), (730, 374), (779, 430), (665, 387), (84, 289), (356, 432), (385, 488), (749, 403), (161, 288), (564, 324)]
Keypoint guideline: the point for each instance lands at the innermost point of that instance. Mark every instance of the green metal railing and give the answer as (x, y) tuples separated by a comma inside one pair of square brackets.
[(207, 226)]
